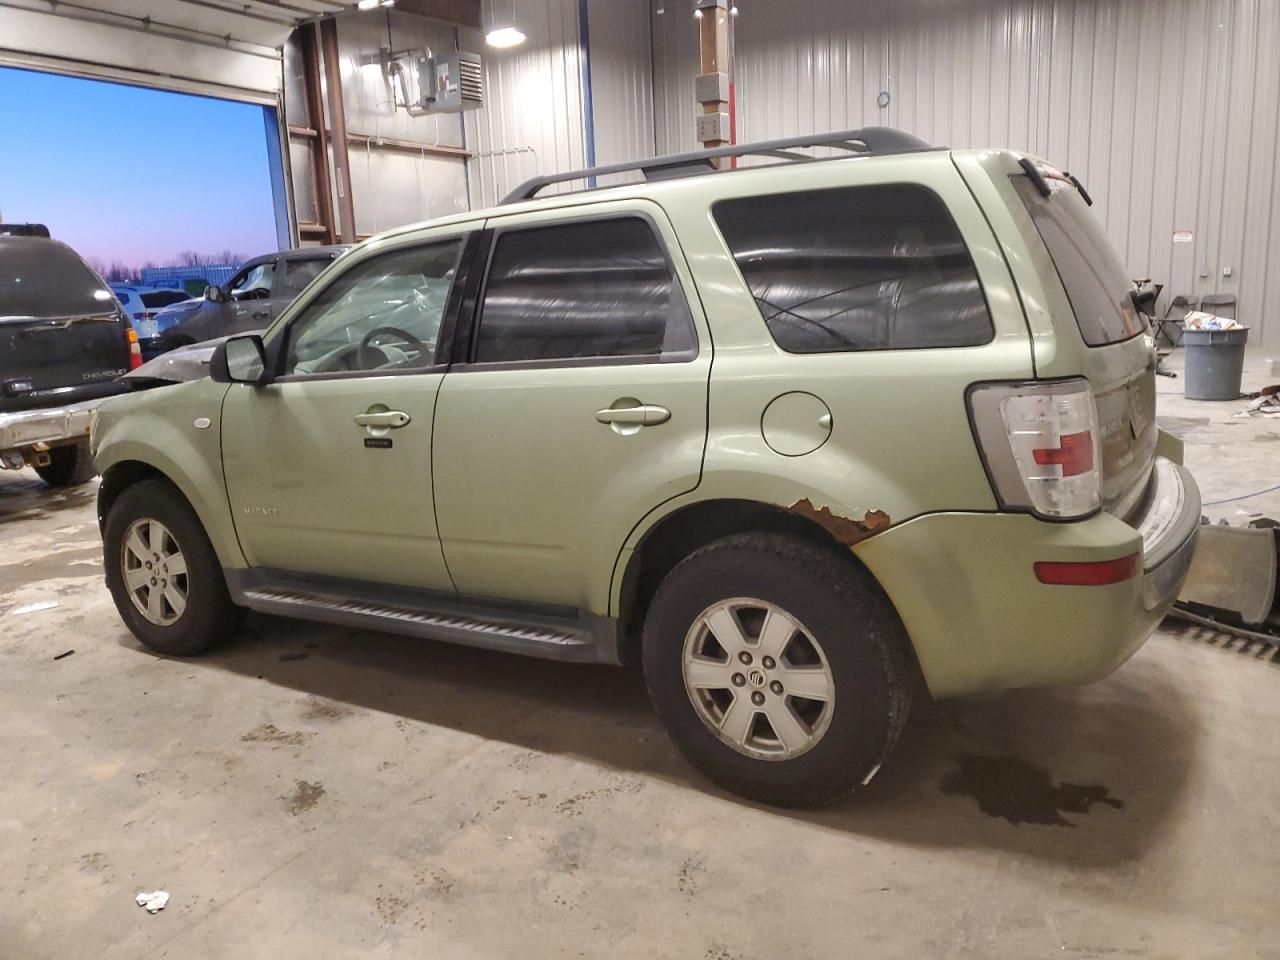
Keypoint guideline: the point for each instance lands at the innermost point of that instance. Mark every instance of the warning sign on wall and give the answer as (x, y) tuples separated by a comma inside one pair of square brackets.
[(1182, 236)]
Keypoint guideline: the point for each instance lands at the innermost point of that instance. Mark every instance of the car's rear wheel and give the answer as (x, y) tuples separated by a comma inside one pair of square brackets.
[(68, 465), (163, 573), (778, 667)]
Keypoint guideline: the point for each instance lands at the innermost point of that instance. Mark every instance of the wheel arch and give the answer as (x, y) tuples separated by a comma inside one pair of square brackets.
[(131, 470), (673, 536)]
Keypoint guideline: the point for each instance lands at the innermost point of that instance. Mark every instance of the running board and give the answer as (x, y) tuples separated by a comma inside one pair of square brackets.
[(548, 633)]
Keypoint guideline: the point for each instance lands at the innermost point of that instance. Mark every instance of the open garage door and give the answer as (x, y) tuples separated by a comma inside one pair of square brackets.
[(211, 47), (144, 183)]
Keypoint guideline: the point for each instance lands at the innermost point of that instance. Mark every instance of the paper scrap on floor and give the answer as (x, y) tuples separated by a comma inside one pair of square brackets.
[(154, 901)]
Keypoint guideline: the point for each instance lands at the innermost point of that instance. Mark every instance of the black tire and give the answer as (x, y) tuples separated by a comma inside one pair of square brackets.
[(209, 615), (850, 619), (69, 465)]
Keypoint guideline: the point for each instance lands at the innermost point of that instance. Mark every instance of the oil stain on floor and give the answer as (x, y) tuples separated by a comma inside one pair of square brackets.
[(1021, 792), (306, 796)]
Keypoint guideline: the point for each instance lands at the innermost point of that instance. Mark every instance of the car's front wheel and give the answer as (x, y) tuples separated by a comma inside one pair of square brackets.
[(163, 573), (778, 667)]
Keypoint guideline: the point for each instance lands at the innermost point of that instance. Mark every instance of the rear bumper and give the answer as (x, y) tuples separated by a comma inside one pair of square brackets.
[(50, 425), (978, 617)]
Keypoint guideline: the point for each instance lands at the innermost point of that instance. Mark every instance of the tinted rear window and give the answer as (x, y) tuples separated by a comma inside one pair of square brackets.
[(44, 278), (162, 298), (590, 289), (857, 268), (1091, 272)]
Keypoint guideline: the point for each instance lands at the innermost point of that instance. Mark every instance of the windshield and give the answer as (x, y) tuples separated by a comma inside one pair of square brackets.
[(45, 278), (1091, 272)]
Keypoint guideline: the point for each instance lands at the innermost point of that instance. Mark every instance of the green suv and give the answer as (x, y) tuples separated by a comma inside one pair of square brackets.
[(792, 436)]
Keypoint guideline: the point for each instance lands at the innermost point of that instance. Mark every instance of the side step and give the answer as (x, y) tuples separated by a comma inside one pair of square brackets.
[(548, 633)]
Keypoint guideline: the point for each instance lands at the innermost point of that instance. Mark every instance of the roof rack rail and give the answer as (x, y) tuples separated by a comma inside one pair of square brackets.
[(23, 230), (868, 140)]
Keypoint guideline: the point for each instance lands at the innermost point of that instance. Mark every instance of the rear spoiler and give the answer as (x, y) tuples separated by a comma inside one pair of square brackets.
[(24, 230), (1041, 175)]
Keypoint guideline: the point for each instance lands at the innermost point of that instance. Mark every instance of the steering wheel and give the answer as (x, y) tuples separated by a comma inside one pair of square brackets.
[(365, 357)]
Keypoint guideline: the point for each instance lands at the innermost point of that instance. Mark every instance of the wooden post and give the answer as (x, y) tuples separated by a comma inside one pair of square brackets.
[(309, 38), (712, 85), (338, 130)]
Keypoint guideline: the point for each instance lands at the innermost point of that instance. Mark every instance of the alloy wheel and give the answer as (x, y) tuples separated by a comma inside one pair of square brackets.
[(154, 571), (758, 679)]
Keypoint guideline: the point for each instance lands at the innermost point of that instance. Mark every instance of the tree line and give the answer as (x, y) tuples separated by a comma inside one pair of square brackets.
[(119, 272)]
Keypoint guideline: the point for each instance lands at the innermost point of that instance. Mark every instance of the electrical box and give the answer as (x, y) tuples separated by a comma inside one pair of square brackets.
[(711, 88), (451, 83), (713, 127)]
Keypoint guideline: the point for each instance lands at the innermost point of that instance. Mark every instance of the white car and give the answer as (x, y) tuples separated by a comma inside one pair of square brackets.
[(142, 304)]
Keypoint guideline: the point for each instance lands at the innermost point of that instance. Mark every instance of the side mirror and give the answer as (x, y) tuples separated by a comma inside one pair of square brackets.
[(239, 360), (214, 293)]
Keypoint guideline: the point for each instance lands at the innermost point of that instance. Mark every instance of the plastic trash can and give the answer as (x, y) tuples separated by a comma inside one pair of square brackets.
[(1215, 363)]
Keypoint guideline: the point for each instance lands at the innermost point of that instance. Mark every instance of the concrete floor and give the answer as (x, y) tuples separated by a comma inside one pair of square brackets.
[(312, 792)]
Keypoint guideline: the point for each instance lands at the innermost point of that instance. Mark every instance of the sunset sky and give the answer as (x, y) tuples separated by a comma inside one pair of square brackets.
[(131, 174)]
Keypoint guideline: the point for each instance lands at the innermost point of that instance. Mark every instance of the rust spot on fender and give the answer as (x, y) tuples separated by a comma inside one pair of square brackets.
[(846, 530)]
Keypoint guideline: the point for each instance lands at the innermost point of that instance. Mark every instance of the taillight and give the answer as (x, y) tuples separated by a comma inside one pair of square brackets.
[(135, 351), (1040, 442)]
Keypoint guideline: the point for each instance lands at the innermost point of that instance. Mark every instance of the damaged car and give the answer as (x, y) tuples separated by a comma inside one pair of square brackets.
[(800, 438)]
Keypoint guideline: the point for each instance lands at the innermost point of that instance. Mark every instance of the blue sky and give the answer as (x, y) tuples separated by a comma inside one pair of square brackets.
[(131, 174)]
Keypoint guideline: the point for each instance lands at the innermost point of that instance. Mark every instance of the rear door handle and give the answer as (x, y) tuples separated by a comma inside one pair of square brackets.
[(385, 418), (643, 415), (260, 314)]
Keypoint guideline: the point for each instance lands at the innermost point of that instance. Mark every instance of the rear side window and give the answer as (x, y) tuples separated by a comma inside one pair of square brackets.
[(1090, 270), (857, 268), (298, 273), (45, 278), (592, 289), (163, 298)]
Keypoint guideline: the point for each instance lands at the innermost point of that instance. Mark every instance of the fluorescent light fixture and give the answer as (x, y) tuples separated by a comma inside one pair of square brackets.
[(504, 37), (367, 4)]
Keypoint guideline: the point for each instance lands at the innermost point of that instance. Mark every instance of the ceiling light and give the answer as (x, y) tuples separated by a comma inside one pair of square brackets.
[(367, 4), (504, 37)]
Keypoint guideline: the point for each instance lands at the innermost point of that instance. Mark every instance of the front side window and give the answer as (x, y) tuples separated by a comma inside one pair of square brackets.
[(878, 267), (382, 314), (590, 289), (254, 283)]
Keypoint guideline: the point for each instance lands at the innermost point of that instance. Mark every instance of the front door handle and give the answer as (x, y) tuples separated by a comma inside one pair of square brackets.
[(384, 418), (640, 415)]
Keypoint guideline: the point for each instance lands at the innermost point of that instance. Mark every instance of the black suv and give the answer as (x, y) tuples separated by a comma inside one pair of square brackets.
[(64, 342)]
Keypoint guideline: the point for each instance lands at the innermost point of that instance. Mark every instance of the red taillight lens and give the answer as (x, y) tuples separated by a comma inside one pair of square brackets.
[(135, 351), (1074, 454), (1093, 574)]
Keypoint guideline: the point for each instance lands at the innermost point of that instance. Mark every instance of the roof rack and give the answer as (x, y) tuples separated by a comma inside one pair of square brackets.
[(24, 230), (868, 140)]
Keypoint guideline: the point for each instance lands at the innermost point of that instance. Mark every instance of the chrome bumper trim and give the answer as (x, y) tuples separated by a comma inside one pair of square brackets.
[(1170, 529), (23, 428)]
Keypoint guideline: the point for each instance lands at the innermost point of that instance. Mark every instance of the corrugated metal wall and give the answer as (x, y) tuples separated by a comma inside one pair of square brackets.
[(532, 121), (389, 186), (621, 80), (1168, 110), (393, 187)]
